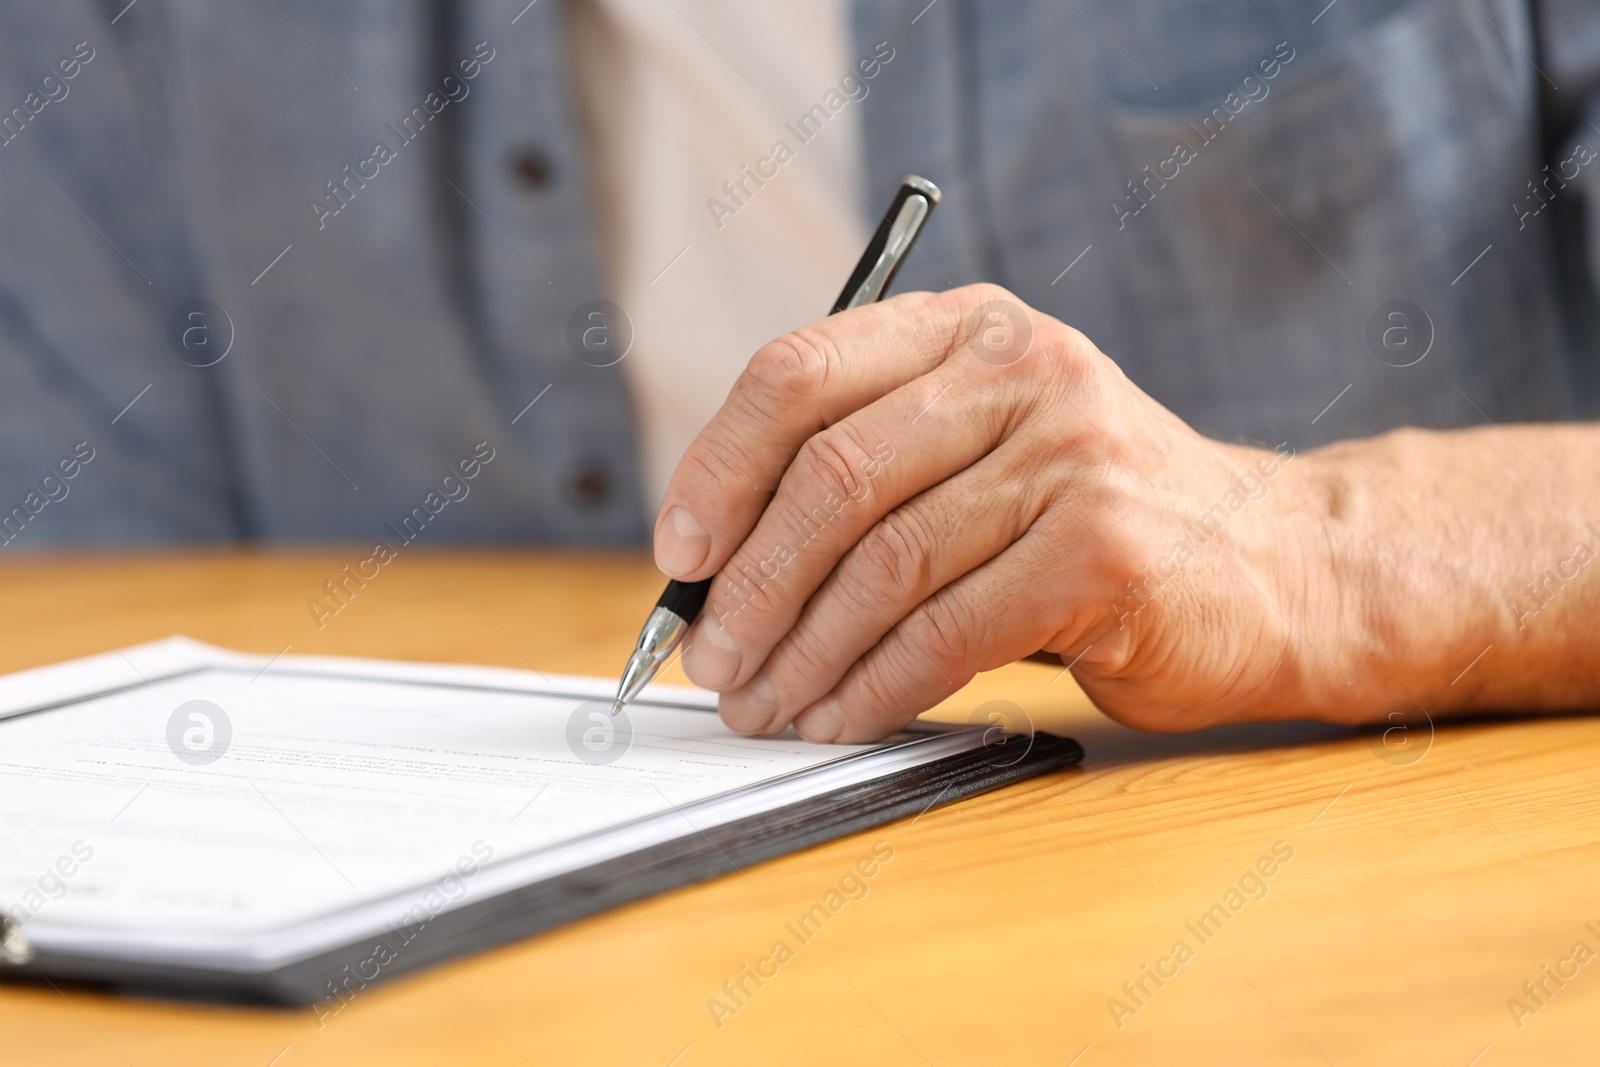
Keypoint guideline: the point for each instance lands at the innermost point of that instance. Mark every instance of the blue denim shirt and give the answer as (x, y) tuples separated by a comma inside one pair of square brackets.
[(290, 271)]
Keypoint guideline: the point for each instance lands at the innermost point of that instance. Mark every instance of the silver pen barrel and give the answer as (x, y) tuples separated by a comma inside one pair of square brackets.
[(662, 633)]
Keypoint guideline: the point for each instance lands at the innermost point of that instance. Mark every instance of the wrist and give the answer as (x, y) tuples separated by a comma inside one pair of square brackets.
[(1395, 621)]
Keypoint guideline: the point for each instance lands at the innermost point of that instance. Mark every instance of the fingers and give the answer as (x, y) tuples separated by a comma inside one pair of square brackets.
[(905, 558), (991, 616), (793, 388), (842, 482)]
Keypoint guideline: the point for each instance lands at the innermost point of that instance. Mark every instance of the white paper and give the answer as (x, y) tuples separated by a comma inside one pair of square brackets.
[(349, 792)]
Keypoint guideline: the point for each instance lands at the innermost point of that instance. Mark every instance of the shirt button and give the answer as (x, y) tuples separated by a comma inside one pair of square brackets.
[(590, 487), (530, 167)]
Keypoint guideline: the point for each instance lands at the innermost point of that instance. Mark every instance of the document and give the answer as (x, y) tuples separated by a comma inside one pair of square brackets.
[(187, 806)]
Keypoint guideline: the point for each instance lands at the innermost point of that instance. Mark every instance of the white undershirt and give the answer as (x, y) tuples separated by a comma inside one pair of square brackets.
[(678, 98)]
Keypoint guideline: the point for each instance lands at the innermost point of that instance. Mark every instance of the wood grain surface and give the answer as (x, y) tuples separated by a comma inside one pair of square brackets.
[(1414, 890)]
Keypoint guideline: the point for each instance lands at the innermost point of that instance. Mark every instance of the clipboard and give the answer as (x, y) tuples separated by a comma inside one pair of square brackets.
[(380, 929)]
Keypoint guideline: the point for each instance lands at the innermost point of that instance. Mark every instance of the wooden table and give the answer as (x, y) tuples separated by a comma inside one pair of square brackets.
[(1421, 893)]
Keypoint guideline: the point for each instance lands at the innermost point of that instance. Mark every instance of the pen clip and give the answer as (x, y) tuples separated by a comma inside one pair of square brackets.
[(890, 244)]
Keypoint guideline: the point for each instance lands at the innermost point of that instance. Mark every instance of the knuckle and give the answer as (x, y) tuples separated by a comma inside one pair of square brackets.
[(874, 690), (829, 462), (791, 369), (944, 636), (1076, 342), (862, 596), (748, 592), (976, 293), (801, 669), (1075, 362), (705, 464), (897, 552)]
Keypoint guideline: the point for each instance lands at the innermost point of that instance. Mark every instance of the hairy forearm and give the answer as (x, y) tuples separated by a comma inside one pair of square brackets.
[(1467, 569)]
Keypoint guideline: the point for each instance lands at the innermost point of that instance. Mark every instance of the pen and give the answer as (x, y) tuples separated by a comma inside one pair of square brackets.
[(681, 602)]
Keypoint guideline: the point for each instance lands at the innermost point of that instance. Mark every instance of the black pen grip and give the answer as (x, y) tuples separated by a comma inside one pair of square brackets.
[(685, 599)]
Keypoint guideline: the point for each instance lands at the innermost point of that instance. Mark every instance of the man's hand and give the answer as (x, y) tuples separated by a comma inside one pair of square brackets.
[(905, 494)]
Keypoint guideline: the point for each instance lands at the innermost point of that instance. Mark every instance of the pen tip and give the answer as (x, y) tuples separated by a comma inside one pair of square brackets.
[(616, 706)]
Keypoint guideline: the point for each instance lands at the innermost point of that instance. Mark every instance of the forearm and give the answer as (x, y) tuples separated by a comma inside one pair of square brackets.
[(1467, 569)]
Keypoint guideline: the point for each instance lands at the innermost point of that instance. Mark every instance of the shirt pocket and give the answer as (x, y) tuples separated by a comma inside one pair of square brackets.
[(1364, 147), (1267, 221)]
